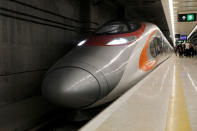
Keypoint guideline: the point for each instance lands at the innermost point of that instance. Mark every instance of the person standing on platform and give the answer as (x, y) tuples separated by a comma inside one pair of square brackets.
[(183, 45), (187, 49), (180, 50), (191, 50), (175, 50)]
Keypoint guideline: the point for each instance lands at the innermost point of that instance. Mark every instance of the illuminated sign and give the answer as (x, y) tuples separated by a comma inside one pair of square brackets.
[(191, 17), (183, 37), (180, 41), (187, 17)]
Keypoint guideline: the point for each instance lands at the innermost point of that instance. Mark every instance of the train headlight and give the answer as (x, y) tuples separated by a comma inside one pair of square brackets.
[(121, 41), (81, 43), (118, 41)]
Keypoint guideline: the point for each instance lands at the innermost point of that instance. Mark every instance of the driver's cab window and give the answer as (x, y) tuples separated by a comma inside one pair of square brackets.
[(155, 47), (113, 28)]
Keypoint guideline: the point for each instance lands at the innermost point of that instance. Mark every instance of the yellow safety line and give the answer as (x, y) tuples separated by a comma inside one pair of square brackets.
[(177, 119)]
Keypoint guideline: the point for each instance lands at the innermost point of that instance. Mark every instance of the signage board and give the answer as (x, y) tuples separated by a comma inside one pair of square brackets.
[(180, 41), (183, 37), (187, 17)]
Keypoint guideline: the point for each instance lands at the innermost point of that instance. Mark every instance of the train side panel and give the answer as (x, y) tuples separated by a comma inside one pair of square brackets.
[(134, 72)]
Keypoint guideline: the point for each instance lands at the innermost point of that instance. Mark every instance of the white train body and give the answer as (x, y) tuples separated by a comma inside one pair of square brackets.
[(106, 65)]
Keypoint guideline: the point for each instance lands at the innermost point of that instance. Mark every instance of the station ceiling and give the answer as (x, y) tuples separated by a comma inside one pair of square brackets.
[(148, 10), (143, 10), (158, 12), (180, 7)]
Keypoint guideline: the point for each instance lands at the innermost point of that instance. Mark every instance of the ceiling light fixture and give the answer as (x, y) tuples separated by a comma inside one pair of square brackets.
[(194, 30), (172, 19)]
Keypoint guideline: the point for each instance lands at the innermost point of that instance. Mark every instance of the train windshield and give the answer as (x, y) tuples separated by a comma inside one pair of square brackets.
[(116, 28), (133, 26), (113, 28)]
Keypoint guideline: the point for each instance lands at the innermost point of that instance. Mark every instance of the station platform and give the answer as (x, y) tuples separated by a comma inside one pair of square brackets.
[(165, 100)]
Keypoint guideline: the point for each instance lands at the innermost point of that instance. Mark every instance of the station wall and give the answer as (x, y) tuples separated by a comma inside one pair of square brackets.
[(34, 34)]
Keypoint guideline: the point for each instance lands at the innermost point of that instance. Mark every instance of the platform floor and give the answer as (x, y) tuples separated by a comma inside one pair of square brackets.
[(166, 100)]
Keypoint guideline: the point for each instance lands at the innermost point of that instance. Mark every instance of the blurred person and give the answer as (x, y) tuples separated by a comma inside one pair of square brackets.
[(180, 51), (187, 49), (191, 50), (175, 50)]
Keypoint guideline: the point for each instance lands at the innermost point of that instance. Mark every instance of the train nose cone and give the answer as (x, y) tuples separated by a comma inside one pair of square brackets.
[(71, 87)]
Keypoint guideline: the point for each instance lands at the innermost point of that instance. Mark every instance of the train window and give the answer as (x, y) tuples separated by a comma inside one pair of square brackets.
[(155, 47), (113, 28), (134, 26), (159, 46), (152, 49)]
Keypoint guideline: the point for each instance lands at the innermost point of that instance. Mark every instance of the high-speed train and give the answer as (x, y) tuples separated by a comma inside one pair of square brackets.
[(105, 65)]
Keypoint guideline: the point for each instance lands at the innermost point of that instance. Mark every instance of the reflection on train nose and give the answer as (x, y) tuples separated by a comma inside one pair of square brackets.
[(71, 87)]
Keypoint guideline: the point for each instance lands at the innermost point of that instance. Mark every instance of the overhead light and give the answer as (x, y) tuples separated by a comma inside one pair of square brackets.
[(172, 19), (195, 28)]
